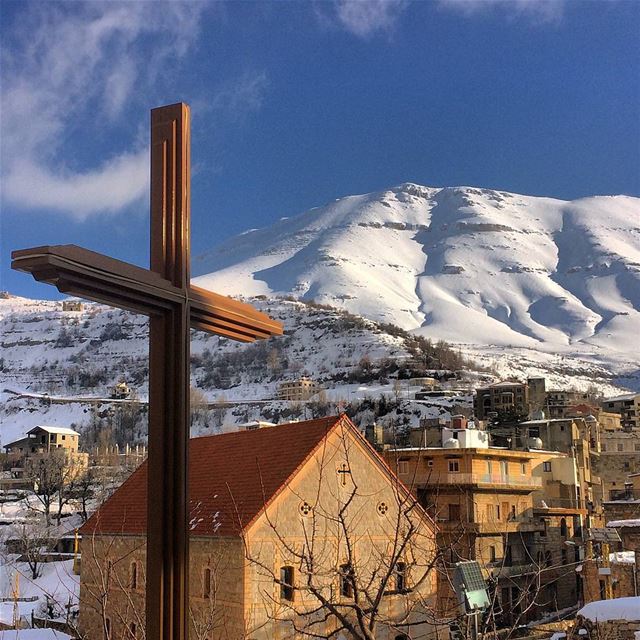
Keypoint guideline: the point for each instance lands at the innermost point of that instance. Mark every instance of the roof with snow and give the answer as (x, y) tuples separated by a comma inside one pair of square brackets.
[(616, 609), (626, 396), (62, 430), (232, 477), (634, 522)]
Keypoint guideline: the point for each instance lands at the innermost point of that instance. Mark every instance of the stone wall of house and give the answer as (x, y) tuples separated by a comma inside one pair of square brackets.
[(613, 630), (622, 580), (303, 516), (108, 570)]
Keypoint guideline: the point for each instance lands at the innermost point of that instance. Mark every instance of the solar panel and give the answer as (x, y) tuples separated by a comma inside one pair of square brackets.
[(471, 586), (605, 534), (471, 575)]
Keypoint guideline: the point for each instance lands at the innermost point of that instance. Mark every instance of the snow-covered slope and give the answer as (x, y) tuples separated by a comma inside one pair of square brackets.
[(473, 266)]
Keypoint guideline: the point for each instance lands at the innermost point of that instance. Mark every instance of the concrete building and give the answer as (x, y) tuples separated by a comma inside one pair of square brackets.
[(619, 457), (297, 390), (502, 398), (43, 439), (628, 407), (265, 503), (482, 500)]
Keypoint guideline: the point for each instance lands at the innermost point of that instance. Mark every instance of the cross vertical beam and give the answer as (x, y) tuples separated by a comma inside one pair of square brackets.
[(167, 491)]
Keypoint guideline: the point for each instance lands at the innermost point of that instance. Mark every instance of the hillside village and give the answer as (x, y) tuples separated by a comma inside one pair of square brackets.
[(533, 485)]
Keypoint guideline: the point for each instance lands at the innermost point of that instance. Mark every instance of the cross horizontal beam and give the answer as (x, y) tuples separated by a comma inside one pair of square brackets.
[(77, 271)]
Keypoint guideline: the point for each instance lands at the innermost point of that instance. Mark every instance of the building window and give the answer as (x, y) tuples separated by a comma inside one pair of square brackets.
[(133, 581), (206, 583), (497, 512), (454, 512), (401, 577), (563, 528), (403, 467), (636, 446), (346, 581), (512, 515), (489, 469), (603, 447), (546, 466), (492, 553), (454, 466), (620, 446), (523, 468), (286, 583)]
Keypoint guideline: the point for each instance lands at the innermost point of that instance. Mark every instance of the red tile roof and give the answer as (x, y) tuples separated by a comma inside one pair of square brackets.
[(231, 477)]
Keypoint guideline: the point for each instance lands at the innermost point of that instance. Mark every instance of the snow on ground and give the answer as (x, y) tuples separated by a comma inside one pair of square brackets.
[(34, 634), (56, 582), (616, 609)]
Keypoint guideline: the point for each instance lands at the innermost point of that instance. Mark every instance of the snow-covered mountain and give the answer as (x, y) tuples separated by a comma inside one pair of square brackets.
[(472, 266)]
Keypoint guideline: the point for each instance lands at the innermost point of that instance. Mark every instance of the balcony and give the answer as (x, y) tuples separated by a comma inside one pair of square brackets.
[(481, 480)]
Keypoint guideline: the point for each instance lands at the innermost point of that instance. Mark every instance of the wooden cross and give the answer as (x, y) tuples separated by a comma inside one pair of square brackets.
[(343, 470), (165, 295)]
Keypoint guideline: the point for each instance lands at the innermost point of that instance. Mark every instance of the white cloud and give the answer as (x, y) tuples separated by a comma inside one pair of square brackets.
[(244, 94), (64, 63), (366, 17), (540, 11)]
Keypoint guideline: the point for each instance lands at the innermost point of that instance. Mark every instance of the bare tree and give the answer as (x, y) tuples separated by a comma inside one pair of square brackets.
[(362, 561)]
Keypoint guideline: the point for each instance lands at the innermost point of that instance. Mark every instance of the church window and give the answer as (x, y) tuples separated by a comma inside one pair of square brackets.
[(305, 509), (401, 577), (382, 508), (133, 582), (286, 583), (206, 586), (346, 580)]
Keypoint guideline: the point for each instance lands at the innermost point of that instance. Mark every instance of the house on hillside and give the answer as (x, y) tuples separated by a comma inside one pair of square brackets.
[(292, 526), (59, 445)]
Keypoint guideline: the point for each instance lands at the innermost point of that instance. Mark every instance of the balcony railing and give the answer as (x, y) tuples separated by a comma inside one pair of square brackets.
[(486, 479)]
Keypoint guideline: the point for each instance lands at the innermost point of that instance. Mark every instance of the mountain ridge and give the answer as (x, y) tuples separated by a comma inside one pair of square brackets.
[(469, 265)]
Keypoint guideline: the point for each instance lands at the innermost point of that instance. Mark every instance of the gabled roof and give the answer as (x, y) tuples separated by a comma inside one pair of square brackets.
[(231, 478), (63, 430)]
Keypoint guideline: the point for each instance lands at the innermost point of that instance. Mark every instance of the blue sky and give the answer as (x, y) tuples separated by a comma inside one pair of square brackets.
[(297, 103)]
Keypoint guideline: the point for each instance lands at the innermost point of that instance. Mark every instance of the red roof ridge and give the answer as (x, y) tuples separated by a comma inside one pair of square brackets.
[(233, 456)]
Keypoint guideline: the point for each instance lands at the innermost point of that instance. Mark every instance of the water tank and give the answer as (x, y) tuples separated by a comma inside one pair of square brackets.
[(451, 443), (591, 418), (538, 415), (534, 443)]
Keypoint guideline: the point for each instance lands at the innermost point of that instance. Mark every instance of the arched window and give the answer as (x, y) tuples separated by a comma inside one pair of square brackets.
[(133, 581), (346, 581), (563, 527), (286, 583), (401, 577), (133, 631), (206, 583)]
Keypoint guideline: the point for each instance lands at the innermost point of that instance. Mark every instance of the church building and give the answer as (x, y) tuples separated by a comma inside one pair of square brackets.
[(295, 527)]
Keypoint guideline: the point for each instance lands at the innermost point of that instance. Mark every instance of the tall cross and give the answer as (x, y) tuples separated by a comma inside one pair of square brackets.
[(165, 294)]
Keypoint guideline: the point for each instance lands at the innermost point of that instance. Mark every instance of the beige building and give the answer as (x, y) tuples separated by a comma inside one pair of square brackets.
[(296, 390), (42, 439), (628, 407), (291, 527), (619, 456), (482, 500)]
